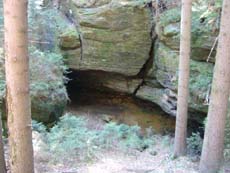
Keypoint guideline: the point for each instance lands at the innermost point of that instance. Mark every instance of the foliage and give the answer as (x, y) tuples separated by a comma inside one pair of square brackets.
[(47, 71), (227, 139), (195, 143), (123, 136), (45, 25), (2, 77), (71, 136), (208, 11), (170, 16), (200, 83), (205, 17), (39, 127), (47, 86), (201, 75)]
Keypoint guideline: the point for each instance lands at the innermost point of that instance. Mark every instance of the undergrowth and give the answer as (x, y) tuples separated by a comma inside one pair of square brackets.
[(195, 141), (194, 144), (227, 139), (71, 137)]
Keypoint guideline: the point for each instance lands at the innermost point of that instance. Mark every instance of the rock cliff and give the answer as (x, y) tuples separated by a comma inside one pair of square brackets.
[(140, 43)]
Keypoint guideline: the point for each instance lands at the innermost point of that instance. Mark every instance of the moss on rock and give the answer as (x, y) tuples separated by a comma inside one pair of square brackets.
[(112, 32), (165, 73), (69, 40), (204, 29)]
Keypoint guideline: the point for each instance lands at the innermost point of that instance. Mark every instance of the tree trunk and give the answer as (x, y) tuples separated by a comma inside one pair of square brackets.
[(183, 83), (2, 157), (17, 86), (212, 153)]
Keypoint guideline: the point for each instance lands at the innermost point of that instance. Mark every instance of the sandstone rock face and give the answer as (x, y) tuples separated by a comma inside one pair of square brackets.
[(115, 36), (100, 80), (204, 32), (161, 84), (166, 59), (121, 45)]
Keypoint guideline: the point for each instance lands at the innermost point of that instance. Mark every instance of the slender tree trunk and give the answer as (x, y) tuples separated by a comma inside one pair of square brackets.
[(183, 85), (212, 153), (17, 84), (2, 157)]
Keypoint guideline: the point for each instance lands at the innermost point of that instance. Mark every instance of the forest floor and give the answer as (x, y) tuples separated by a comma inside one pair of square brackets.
[(100, 109), (155, 159), (152, 160)]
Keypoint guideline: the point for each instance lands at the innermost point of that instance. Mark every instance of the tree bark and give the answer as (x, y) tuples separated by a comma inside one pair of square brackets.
[(212, 153), (183, 83), (2, 157), (17, 86)]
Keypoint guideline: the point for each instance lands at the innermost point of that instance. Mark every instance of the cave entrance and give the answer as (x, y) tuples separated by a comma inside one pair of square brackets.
[(90, 98)]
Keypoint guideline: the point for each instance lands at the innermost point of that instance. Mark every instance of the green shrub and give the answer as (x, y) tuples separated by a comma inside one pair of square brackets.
[(194, 144), (170, 16), (124, 136), (39, 127), (71, 137), (195, 141), (47, 75), (227, 139)]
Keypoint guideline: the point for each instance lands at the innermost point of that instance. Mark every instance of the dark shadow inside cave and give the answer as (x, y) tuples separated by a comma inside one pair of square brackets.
[(90, 97)]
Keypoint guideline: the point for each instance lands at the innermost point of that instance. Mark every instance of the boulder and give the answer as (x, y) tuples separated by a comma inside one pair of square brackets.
[(115, 36), (160, 86), (47, 89)]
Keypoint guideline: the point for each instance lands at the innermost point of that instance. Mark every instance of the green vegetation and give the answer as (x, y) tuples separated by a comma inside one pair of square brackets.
[(71, 137), (48, 92), (47, 70), (194, 143), (208, 14), (2, 77), (227, 139), (170, 16)]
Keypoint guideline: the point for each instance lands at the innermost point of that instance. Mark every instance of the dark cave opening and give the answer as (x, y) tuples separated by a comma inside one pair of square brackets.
[(88, 93)]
